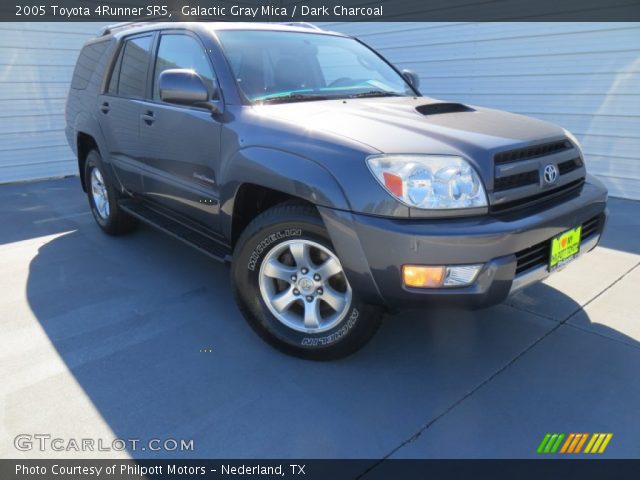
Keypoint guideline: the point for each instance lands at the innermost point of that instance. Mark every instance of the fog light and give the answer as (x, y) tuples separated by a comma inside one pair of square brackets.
[(421, 276), (461, 275)]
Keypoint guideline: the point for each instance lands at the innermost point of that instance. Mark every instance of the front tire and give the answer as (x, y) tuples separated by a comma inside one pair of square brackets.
[(291, 288), (103, 198)]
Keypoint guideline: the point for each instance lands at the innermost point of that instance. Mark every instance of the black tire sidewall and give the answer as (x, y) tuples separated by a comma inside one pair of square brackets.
[(245, 272)]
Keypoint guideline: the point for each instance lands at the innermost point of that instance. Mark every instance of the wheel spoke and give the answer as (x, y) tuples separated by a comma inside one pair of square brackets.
[(300, 252), (99, 193), (335, 299), (329, 268), (283, 300), (312, 314), (278, 270)]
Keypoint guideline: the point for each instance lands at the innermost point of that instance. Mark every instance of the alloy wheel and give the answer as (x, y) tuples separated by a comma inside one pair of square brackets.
[(304, 286)]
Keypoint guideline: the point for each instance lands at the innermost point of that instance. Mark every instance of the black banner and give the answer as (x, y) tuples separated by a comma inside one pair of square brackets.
[(321, 10), (317, 469)]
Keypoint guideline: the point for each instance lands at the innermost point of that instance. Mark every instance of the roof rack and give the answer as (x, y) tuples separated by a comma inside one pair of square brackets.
[(117, 26)]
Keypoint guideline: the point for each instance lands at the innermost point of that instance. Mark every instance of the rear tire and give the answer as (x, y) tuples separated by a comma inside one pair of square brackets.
[(103, 199), (290, 286)]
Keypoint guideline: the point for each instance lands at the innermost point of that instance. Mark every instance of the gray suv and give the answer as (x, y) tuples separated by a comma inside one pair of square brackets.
[(334, 189)]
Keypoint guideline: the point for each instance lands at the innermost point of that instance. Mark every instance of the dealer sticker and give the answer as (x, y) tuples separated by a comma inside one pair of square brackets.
[(564, 248)]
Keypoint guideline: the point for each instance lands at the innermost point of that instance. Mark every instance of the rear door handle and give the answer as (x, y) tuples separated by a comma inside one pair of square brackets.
[(104, 108), (148, 117)]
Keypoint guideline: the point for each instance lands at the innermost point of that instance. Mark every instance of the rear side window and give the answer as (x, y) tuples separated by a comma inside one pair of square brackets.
[(181, 51), (129, 77), (85, 66)]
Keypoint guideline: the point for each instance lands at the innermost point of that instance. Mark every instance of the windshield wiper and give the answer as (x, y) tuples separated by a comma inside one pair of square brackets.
[(293, 97), (375, 93)]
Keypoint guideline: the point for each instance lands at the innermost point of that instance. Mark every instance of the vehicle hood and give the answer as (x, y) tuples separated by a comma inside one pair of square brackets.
[(394, 125)]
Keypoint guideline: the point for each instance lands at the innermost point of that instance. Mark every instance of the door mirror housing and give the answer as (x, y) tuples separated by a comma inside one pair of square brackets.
[(412, 78), (185, 87)]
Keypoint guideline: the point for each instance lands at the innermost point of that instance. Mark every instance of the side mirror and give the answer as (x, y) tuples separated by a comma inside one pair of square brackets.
[(412, 78), (184, 87)]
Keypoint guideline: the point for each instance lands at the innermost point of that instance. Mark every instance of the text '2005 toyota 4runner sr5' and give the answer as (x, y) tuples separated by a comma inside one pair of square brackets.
[(312, 165)]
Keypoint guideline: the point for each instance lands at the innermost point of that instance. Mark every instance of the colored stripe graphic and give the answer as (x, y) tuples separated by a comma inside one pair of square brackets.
[(598, 443), (557, 444), (543, 443), (568, 442), (576, 439), (581, 443), (591, 442), (606, 442), (574, 443), (550, 443)]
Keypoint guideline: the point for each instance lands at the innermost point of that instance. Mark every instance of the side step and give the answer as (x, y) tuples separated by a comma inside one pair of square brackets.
[(180, 229)]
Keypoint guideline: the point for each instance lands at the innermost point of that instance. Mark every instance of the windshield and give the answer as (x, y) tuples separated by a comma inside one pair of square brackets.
[(277, 66)]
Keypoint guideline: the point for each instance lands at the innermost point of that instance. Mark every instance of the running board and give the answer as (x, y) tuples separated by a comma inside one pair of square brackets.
[(177, 229)]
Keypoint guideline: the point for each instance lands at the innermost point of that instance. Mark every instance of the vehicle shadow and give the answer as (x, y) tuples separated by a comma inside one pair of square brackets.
[(149, 330)]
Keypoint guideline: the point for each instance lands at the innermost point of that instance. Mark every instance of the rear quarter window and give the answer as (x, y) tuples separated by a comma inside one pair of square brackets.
[(88, 60), (134, 63)]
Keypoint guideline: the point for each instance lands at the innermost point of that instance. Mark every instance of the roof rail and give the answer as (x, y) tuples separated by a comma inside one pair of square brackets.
[(116, 26), (301, 25)]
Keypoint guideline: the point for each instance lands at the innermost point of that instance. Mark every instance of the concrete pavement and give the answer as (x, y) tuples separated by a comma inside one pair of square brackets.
[(108, 338)]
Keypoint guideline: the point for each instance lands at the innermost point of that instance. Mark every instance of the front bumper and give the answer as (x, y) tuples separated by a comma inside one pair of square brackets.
[(373, 249)]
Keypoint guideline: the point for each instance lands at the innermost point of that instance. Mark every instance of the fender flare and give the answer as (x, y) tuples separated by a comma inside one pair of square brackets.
[(87, 124), (282, 171)]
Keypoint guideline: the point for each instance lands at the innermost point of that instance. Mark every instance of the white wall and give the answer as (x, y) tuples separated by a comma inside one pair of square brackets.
[(36, 64), (583, 76)]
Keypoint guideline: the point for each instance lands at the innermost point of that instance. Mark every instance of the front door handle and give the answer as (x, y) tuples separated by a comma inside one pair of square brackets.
[(148, 117), (104, 108)]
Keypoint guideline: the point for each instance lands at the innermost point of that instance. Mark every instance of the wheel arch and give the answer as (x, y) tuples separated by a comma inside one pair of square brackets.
[(85, 143), (261, 178)]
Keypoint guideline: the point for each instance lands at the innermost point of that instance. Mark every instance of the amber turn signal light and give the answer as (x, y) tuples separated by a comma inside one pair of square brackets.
[(419, 276)]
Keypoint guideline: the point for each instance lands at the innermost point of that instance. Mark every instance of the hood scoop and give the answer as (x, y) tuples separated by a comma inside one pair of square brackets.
[(439, 108)]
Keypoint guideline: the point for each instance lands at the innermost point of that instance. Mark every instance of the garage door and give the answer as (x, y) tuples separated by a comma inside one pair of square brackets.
[(583, 76)]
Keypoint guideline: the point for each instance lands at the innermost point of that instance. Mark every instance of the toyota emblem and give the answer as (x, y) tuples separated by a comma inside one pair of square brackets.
[(550, 174)]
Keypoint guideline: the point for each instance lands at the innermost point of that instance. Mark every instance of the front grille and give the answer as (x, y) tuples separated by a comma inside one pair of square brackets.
[(532, 152), (538, 254), (590, 227), (532, 257), (514, 181), (569, 165), (558, 194), (518, 181)]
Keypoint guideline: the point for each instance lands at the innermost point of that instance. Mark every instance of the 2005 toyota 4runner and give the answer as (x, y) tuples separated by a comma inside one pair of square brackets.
[(318, 170)]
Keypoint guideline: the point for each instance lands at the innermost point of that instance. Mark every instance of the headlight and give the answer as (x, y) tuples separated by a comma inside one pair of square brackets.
[(429, 181)]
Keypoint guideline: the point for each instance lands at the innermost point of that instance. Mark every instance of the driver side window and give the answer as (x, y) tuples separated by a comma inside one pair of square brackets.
[(182, 51)]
